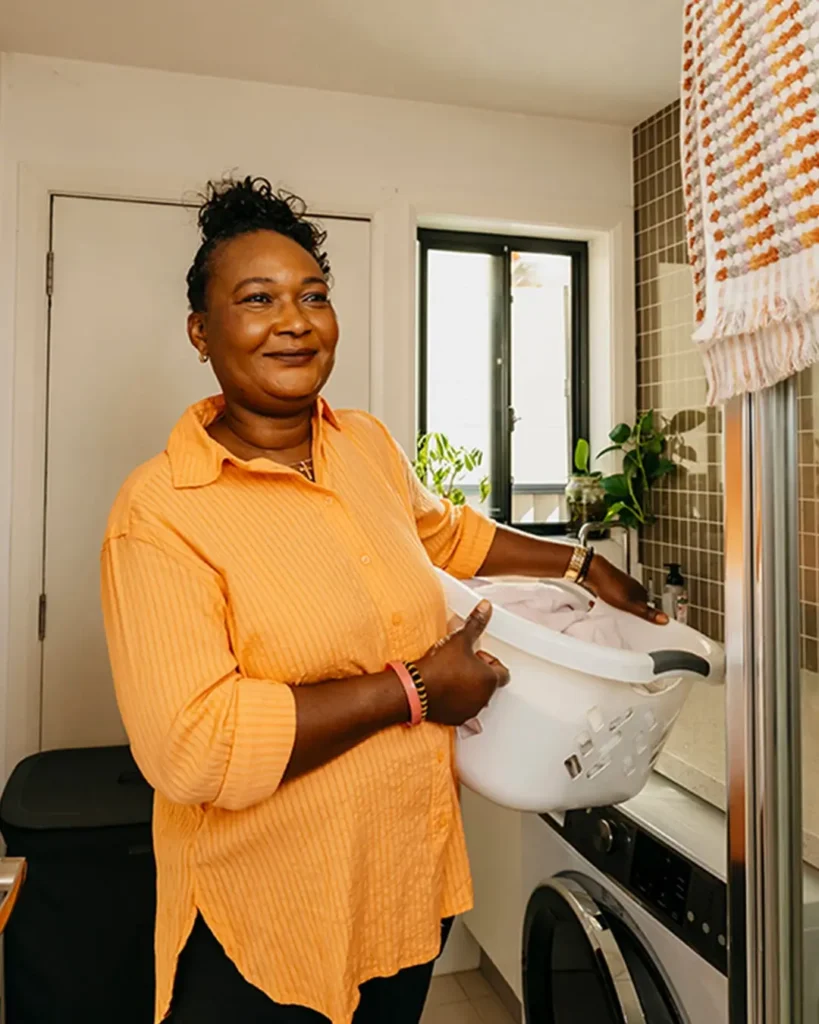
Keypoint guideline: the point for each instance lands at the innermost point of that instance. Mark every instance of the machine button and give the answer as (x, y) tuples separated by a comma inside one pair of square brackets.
[(605, 836)]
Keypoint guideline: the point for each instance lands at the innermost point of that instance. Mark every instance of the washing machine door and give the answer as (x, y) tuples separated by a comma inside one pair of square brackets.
[(584, 960)]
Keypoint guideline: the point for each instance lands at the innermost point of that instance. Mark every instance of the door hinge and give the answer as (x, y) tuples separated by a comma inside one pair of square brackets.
[(41, 618), (49, 274)]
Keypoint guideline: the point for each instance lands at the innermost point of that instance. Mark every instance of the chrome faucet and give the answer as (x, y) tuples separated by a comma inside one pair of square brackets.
[(587, 528)]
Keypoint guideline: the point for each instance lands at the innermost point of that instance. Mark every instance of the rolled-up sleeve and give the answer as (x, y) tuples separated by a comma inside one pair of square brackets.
[(457, 539), (201, 732)]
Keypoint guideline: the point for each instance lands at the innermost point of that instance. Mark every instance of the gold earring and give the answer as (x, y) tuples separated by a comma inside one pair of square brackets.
[(203, 357)]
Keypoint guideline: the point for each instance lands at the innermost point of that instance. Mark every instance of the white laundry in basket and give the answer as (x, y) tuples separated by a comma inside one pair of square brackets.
[(555, 607), (579, 724)]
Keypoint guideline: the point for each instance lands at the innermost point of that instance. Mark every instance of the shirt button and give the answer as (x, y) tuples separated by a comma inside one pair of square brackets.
[(328, 500), (443, 822), (397, 619), (365, 559), (440, 757)]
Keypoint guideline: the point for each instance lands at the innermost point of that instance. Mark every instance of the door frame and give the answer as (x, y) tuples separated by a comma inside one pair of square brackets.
[(38, 185)]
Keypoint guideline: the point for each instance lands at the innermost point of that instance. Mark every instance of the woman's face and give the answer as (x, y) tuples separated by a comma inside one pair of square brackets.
[(269, 327)]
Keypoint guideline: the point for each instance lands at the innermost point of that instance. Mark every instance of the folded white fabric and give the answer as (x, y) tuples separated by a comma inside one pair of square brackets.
[(556, 608)]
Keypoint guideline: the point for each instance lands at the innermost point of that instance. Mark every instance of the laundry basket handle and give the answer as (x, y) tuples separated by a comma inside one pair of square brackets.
[(679, 661)]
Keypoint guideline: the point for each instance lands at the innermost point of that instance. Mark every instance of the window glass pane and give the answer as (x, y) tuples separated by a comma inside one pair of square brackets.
[(541, 346), (459, 353), (530, 506)]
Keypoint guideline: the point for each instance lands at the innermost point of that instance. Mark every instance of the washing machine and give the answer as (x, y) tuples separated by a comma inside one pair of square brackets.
[(625, 919), (620, 928)]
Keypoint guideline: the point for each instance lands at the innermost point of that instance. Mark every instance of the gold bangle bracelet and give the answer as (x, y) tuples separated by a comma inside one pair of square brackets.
[(576, 564), (584, 569)]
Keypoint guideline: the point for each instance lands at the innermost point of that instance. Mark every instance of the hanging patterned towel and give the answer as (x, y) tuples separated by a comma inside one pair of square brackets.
[(750, 153)]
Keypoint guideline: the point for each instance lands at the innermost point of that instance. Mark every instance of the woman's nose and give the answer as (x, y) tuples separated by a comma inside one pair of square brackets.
[(291, 320)]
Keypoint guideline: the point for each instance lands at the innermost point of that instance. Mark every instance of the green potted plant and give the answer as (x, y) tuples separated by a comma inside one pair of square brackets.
[(645, 448), (441, 467), (585, 496)]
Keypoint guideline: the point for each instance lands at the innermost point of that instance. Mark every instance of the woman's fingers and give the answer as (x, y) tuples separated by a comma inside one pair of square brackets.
[(477, 622), (643, 610), (501, 671)]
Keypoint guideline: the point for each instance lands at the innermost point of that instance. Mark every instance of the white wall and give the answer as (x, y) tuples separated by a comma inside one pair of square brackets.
[(73, 126)]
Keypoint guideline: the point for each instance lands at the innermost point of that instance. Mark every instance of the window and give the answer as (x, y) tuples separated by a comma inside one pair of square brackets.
[(504, 363)]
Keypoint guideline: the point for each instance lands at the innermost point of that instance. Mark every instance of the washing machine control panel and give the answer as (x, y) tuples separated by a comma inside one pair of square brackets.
[(687, 899)]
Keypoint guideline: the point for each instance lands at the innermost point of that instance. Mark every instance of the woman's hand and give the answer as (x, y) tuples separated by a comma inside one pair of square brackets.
[(460, 680), (620, 590)]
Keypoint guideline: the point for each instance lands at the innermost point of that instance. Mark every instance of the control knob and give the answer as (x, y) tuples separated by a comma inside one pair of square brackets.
[(605, 836)]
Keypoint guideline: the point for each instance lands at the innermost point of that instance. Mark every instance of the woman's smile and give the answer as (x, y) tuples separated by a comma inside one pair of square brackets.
[(294, 357)]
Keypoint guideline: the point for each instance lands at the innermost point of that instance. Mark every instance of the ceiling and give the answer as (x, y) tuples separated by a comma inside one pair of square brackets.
[(615, 61)]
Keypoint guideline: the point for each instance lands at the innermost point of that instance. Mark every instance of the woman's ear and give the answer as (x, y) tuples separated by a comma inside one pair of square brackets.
[(198, 334)]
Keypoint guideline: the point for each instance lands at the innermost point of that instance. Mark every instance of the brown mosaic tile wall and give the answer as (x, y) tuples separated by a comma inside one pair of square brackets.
[(670, 380)]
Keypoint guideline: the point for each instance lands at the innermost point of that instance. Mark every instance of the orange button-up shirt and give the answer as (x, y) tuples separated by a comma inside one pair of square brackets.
[(226, 583)]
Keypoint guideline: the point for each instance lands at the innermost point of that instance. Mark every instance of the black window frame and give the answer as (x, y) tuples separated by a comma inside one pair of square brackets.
[(502, 246)]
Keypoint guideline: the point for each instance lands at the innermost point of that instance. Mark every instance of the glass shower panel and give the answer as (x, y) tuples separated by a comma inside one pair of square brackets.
[(808, 476)]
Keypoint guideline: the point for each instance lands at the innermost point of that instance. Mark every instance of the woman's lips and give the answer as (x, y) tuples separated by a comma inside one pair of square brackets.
[(296, 357)]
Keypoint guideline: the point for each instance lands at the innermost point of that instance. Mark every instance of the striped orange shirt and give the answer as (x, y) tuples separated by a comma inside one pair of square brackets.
[(223, 581)]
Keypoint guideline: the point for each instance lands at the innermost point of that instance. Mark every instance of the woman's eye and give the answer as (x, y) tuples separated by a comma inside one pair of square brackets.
[(257, 297), (316, 298)]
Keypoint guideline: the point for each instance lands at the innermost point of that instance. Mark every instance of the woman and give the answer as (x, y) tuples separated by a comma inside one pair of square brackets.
[(274, 623)]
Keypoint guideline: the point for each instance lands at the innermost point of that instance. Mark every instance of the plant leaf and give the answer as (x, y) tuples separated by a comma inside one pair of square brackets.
[(630, 462), (621, 433), (614, 511), (651, 464), (611, 448), (646, 421), (686, 452), (616, 485), (581, 455), (628, 518), (439, 465)]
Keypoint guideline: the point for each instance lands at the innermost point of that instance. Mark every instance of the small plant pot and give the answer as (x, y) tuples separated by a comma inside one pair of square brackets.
[(586, 501)]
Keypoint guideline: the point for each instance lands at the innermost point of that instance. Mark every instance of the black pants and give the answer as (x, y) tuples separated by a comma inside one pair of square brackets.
[(210, 990)]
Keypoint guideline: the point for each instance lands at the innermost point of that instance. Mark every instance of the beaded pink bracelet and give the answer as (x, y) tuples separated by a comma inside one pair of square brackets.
[(413, 697)]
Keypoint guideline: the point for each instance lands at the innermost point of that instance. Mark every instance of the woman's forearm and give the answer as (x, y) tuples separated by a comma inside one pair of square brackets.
[(334, 717), (520, 554)]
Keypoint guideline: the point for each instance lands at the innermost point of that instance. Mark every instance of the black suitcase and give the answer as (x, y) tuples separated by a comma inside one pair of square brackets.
[(79, 945)]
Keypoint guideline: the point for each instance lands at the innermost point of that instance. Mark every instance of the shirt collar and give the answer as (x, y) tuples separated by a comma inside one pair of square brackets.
[(197, 460)]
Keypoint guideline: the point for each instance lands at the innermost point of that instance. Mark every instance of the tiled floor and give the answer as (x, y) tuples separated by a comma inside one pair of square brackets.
[(464, 999)]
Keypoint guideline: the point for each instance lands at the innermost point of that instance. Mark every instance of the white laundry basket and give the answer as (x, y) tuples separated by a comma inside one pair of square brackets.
[(579, 725)]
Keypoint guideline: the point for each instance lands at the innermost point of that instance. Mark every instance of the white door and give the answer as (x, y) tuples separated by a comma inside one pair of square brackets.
[(121, 372)]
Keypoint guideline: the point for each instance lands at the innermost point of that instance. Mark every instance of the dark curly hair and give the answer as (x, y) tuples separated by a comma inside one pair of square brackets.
[(231, 208)]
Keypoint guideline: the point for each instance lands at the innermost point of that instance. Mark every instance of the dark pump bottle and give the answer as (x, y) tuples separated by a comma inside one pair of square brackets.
[(675, 598)]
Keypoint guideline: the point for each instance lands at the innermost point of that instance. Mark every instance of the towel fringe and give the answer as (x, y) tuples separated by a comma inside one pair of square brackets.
[(750, 362)]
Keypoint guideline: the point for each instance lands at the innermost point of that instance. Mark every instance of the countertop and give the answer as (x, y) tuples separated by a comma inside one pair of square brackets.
[(694, 755)]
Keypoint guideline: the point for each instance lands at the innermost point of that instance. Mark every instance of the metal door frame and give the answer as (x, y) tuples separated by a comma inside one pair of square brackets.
[(763, 711)]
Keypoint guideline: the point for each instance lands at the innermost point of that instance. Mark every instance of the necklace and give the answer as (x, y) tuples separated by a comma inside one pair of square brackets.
[(305, 467)]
